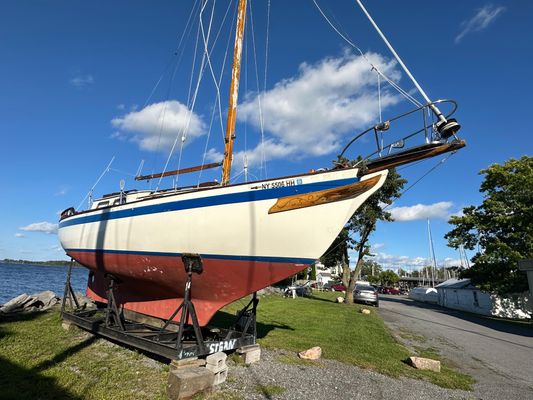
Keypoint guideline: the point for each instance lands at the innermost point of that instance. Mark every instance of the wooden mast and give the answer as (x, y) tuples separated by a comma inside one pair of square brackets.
[(234, 93)]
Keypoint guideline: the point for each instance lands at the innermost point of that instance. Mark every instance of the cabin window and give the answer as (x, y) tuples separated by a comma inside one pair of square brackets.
[(103, 204)]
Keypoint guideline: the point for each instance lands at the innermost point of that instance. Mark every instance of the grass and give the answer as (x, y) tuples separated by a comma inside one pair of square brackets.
[(270, 391), (449, 377), (343, 333), (40, 360)]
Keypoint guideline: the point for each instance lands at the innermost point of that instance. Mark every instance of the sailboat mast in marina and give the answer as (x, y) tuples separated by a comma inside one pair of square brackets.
[(245, 235)]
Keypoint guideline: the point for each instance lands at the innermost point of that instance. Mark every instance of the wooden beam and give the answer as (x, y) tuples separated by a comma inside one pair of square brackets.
[(178, 171), (411, 155)]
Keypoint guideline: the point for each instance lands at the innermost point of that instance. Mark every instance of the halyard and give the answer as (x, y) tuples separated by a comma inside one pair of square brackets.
[(38, 359)]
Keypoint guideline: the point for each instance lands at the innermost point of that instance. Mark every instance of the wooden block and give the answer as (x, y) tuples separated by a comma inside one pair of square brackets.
[(185, 383)]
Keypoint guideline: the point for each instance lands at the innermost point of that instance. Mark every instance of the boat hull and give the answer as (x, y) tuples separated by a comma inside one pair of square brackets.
[(244, 246)]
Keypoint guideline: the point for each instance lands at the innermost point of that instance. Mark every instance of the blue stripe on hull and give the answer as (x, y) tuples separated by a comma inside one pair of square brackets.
[(288, 260), (231, 198)]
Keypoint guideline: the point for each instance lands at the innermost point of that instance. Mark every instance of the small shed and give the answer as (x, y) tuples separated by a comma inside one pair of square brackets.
[(322, 278), (460, 294)]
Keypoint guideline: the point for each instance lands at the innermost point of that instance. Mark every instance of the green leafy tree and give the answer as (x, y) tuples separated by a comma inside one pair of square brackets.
[(501, 228), (312, 273), (388, 278), (370, 268), (338, 253)]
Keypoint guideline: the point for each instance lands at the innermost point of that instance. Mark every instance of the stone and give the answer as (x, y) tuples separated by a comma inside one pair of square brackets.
[(192, 362), (314, 353), (216, 360), (425, 363), (221, 376), (365, 311), (67, 325), (185, 383), (15, 303), (339, 300), (250, 354)]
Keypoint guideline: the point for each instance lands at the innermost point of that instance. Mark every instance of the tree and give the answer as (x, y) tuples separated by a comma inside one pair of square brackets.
[(363, 223), (370, 268), (388, 278), (500, 228)]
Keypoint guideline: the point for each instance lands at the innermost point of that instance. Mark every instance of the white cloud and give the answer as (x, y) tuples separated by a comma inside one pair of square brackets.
[(377, 246), (483, 18), (440, 210), (156, 126), (309, 114), (389, 261), (20, 235), (82, 81), (45, 227)]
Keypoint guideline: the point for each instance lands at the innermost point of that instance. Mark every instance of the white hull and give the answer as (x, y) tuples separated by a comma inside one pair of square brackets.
[(241, 229)]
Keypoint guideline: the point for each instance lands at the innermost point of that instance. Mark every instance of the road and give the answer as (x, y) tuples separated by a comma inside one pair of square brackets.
[(498, 354)]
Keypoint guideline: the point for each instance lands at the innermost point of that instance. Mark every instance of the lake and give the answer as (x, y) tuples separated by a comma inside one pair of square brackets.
[(16, 279)]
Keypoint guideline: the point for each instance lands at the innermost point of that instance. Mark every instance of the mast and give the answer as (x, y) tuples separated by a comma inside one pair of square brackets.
[(432, 253), (234, 93)]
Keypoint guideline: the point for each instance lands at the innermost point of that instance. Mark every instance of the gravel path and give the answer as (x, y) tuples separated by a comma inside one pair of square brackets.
[(272, 378)]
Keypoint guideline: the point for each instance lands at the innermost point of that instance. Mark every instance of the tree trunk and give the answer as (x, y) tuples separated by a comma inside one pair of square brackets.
[(345, 268), (348, 297)]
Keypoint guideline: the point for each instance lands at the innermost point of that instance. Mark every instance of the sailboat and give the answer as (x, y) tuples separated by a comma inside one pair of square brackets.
[(242, 237)]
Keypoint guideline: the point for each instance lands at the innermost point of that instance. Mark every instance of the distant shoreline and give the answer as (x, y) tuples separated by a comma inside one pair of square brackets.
[(53, 263)]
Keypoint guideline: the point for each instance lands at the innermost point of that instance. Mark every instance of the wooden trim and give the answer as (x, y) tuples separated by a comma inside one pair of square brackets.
[(323, 196), (409, 156), (178, 171)]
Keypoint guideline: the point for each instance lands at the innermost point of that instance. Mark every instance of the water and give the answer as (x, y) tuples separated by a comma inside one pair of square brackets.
[(16, 279)]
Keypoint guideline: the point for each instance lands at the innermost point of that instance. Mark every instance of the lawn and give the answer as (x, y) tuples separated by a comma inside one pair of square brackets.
[(40, 360), (343, 333)]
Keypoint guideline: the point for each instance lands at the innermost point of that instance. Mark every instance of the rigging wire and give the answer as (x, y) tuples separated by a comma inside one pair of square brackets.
[(263, 167), (191, 108), (358, 49), (89, 193), (219, 82), (177, 59), (261, 115)]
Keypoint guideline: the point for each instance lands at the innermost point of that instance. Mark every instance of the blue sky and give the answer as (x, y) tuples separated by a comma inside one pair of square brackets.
[(78, 87)]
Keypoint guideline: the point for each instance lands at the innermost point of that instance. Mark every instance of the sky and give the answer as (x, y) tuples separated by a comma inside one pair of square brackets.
[(82, 83)]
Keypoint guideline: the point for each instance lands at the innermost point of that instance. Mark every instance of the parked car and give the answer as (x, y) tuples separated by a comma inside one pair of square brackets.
[(390, 290), (338, 287), (366, 294)]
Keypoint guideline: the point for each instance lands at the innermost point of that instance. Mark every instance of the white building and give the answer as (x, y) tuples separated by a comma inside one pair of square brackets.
[(460, 294)]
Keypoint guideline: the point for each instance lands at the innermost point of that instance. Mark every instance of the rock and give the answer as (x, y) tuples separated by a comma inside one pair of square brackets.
[(43, 300), (67, 325), (339, 300), (185, 383), (15, 303), (365, 311), (425, 363), (314, 353)]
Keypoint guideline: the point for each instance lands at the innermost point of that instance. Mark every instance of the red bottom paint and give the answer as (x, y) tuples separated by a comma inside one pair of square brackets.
[(154, 285)]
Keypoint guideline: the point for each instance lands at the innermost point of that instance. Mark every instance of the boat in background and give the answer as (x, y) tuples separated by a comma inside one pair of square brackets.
[(243, 236)]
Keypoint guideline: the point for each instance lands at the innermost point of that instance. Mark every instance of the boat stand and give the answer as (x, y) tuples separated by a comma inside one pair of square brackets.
[(170, 339)]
